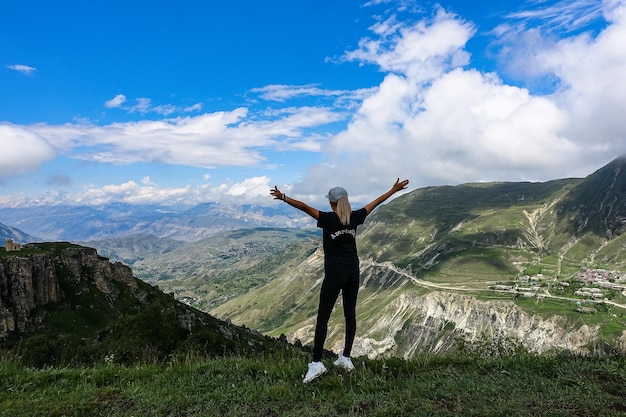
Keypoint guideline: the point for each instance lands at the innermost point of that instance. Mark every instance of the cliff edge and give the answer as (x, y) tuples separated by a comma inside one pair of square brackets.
[(62, 303)]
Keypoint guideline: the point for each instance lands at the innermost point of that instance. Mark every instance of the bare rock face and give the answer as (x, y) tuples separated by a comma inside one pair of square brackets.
[(25, 283), (438, 321), (31, 281), (85, 263)]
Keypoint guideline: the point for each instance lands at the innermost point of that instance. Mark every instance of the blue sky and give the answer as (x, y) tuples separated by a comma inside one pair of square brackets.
[(167, 103)]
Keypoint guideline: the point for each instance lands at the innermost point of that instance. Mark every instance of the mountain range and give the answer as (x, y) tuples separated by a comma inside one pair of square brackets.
[(490, 267), (119, 220), (486, 266), (9, 232)]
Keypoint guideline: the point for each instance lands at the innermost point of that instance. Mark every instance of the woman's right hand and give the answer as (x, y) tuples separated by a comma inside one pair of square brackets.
[(277, 194)]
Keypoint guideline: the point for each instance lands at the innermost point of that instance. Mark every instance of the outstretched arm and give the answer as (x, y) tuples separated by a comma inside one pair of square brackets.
[(399, 185), (278, 195)]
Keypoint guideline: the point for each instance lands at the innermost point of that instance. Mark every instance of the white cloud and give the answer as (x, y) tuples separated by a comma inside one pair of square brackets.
[(165, 109), (249, 191), (433, 119), (116, 101), (281, 93), (234, 138), (340, 100), (193, 108), (22, 151), (24, 69), (142, 105), (564, 15), (133, 193), (593, 92), (437, 121), (421, 50)]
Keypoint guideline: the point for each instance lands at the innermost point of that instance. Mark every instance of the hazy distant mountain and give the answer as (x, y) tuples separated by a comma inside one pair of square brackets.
[(8, 232), (134, 248), (86, 223)]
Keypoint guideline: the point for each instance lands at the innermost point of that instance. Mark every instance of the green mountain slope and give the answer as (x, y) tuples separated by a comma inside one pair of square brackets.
[(444, 264), (488, 224)]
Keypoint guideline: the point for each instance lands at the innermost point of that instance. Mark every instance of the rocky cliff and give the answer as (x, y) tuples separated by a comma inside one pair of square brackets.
[(63, 304), (32, 280), (440, 321)]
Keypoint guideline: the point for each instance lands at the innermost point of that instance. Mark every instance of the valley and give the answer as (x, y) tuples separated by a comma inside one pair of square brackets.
[(488, 267)]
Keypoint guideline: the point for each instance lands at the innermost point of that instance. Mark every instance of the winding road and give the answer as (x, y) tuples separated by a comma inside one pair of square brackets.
[(429, 284)]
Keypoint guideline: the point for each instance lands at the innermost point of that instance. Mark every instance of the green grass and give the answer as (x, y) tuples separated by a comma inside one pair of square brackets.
[(610, 319), (473, 268), (272, 386)]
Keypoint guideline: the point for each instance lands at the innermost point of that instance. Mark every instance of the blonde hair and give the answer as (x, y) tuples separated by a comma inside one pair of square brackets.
[(344, 210)]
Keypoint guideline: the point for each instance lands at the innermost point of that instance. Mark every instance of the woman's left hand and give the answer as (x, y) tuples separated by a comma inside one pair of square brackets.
[(400, 185)]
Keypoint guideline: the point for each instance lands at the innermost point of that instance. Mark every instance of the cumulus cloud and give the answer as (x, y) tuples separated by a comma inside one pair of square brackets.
[(225, 138), (249, 191), (592, 87), (23, 151), (554, 109), (436, 120)]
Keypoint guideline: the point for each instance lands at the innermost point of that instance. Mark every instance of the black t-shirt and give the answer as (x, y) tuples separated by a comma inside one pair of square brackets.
[(340, 241)]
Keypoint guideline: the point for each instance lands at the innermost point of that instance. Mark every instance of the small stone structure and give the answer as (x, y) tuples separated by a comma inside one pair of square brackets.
[(12, 247)]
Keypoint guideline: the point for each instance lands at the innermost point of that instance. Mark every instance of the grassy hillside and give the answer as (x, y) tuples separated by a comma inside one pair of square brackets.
[(484, 233), (522, 386), (479, 229), (468, 239)]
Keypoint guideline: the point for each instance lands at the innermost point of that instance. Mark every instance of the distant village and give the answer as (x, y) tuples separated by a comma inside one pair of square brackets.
[(596, 285)]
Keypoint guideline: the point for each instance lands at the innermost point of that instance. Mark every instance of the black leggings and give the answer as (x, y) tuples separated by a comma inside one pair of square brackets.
[(344, 278)]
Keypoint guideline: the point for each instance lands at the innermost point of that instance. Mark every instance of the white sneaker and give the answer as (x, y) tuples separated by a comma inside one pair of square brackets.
[(315, 369), (344, 362)]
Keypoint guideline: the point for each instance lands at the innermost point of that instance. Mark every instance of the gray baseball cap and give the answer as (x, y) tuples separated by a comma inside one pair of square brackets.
[(335, 193)]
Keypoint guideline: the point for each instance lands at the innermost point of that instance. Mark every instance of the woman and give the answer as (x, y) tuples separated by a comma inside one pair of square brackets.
[(341, 266)]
